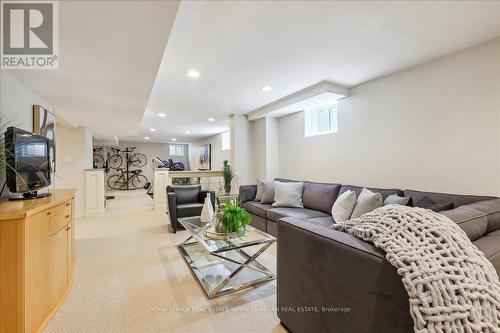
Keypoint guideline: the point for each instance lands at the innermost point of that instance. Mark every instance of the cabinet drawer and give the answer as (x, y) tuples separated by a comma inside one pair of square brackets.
[(60, 217)]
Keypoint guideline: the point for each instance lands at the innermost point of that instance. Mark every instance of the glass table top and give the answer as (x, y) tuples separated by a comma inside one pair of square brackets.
[(197, 229)]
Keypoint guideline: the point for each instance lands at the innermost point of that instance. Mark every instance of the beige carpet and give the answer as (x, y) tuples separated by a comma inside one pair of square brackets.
[(130, 277)]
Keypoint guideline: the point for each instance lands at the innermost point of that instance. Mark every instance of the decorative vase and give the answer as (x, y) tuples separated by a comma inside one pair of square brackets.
[(227, 188), (207, 213)]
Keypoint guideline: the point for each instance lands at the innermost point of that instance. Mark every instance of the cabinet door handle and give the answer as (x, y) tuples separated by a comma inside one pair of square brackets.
[(67, 216), (67, 205), (68, 228), (49, 213)]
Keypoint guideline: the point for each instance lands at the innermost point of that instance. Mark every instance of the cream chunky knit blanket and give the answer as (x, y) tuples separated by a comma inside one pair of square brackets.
[(451, 285)]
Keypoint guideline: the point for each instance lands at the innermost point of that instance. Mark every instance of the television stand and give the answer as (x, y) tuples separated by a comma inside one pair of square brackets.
[(31, 195)]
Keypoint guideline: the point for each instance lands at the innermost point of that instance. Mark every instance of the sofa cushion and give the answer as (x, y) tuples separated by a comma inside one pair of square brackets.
[(326, 221), (428, 203), (366, 202), (490, 246), (471, 220), (490, 208), (384, 191), (257, 208), (189, 209), (343, 206), (457, 199), (267, 192), (247, 193), (320, 196), (477, 218), (258, 194), (274, 214), (395, 199), (288, 194)]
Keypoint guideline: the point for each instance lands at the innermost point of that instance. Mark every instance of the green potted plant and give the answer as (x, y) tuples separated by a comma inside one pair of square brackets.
[(233, 220), (228, 176)]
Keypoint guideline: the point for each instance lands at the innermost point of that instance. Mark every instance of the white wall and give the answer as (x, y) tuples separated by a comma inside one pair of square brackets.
[(433, 127), (218, 155), (16, 108), (153, 150), (17, 100), (72, 159)]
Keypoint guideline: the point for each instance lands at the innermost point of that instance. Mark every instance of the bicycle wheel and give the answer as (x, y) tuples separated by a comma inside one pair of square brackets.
[(117, 182), (98, 161), (139, 181), (138, 160), (115, 161)]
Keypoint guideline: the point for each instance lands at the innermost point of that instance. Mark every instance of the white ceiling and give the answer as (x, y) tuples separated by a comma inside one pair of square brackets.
[(110, 52), (289, 45)]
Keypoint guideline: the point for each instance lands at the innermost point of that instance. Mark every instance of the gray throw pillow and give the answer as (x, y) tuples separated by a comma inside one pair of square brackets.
[(258, 195), (395, 199), (343, 206), (267, 192), (288, 194), (367, 201)]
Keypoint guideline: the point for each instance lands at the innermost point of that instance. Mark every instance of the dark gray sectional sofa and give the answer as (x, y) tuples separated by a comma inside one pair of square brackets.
[(329, 281)]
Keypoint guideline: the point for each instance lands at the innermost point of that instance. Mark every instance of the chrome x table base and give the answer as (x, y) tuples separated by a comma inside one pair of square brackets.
[(228, 267)]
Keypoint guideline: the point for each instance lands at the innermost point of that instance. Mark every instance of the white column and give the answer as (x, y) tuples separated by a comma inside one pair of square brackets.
[(272, 147), (160, 183), (94, 192), (241, 151)]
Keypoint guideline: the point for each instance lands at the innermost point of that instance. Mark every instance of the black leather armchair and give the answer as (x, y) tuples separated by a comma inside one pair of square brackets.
[(186, 201)]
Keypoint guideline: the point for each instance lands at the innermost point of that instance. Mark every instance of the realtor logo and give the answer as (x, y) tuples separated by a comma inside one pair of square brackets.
[(29, 35)]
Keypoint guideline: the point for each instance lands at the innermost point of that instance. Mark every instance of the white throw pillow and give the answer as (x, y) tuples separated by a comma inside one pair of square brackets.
[(367, 201), (258, 195), (395, 199), (288, 194), (343, 206), (267, 192)]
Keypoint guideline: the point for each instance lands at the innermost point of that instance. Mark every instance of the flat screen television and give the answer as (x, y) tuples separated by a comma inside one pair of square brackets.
[(28, 162)]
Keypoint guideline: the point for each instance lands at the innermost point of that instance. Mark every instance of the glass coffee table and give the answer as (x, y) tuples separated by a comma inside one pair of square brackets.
[(223, 266)]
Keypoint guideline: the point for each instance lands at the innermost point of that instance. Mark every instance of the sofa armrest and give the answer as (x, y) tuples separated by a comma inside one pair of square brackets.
[(172, 209), (329, 270), (203, 194), (247, 193)]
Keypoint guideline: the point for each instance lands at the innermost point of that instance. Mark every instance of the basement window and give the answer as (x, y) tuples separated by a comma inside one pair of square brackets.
[(321, 121), (226, 141), (176, 150)]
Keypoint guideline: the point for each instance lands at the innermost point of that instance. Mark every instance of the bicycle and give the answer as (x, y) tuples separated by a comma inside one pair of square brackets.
[(98, 159), (127, 180), (137, 160)]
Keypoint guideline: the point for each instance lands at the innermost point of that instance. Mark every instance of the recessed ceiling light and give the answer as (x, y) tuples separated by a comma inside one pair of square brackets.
[(211, 119), (146, 138), (194, 74), (174, 139), (266, 88), (152, 129), (188, 132), (162, 115)]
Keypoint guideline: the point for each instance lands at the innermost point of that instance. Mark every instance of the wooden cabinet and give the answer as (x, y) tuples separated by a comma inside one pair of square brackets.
[(36, 260)]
